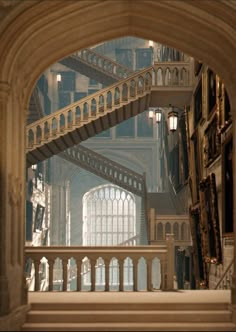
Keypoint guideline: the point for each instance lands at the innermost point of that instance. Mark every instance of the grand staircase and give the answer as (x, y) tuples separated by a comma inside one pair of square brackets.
[(129, 95), (126, 311), (96, 66)]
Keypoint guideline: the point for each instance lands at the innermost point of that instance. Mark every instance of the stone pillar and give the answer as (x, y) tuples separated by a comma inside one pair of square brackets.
[(78, 276), (65, 274), (135, 274), (12, 206), (107, 268), (149, 275), (93, 274), (170, 261), (121, 275)]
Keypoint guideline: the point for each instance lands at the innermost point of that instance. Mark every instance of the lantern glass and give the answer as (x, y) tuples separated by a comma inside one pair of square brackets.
[(173, 120), (158, 116), (151, 113), (58, 77)]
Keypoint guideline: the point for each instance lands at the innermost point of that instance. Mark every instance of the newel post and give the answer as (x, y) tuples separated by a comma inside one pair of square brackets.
[(170, 261)]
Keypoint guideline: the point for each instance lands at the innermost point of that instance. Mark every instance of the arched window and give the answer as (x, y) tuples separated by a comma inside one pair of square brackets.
[(109, 216)]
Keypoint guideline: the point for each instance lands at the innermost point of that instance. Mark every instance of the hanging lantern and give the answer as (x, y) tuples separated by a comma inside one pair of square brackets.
[(158, 115), (173, 120), (58, 77), (151, 112)]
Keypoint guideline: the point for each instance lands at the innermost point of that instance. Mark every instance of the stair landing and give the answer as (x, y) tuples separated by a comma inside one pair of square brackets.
[(183, 310)]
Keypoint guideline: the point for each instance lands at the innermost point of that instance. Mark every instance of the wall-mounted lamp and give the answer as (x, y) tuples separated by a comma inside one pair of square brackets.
[(150, 43), (172, 119), (158, 115), (155, 111), (151, 112), (58, 77)]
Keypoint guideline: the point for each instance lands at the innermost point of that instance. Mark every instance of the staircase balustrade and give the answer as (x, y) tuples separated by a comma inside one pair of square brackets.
[(105, 64), (172, 74), (165, 253), (106, 101), (88, 109), (106, 168)]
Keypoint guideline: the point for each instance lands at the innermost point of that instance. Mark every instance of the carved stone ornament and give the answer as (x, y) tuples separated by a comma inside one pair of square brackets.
[(15, 192)]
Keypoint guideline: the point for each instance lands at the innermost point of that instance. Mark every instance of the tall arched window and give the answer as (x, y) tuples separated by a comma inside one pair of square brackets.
[(109, 216)]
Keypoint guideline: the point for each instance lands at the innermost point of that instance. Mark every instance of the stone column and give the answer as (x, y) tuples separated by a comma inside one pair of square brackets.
[(170, 261), (12, 206)]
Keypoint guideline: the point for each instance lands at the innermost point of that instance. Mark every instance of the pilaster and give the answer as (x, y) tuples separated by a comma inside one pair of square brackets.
[(4, 288), (233, 288), (13, 291)]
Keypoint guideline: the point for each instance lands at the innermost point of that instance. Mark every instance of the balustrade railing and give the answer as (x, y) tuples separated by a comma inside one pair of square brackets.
[(172, 74), (106, 168), (92, 107), (56, 265), (108, 66), (88, 108)]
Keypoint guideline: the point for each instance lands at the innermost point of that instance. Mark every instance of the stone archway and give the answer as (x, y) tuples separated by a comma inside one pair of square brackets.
[(35, 34)]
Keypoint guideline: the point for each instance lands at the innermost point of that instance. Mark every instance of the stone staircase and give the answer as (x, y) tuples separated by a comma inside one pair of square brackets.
[(138, 311), (96, 66)]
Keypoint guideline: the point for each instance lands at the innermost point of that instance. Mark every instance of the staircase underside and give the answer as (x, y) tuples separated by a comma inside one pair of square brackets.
[(185, 310), (77, 64), (177, 96), (86, 130)]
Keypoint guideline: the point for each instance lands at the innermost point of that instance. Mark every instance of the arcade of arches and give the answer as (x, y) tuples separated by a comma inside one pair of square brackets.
[(35, 34)]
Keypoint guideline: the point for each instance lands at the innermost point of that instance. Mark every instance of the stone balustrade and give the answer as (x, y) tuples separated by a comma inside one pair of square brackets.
[(172, 74), (163, 75), (89, 259), (89, 108), (105, 64), (106, 168)]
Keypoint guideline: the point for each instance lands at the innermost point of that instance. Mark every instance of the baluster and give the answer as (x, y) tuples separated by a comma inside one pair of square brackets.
[(107, 266), (93, 275), (36, 276), (135, 274), (121, 275), (65, 275), (149, 274), (51, 265), (163, 274), (78, 276)]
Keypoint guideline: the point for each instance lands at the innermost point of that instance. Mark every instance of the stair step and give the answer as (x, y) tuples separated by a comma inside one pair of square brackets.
[(147, 326), (130, 305), (74, 316)]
